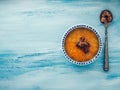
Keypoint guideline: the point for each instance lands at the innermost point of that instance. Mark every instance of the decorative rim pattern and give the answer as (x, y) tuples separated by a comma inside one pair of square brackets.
[(86, 62)]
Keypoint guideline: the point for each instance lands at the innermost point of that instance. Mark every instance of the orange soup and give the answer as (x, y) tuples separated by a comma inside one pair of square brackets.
[(81, 44)]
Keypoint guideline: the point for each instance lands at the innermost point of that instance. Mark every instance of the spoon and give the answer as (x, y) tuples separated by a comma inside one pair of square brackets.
[(106, 18)]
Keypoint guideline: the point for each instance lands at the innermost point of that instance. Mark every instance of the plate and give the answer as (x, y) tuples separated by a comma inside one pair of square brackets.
[(81, 45)]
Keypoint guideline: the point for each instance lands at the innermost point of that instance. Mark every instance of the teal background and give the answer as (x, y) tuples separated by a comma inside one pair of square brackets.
[(31, 56)]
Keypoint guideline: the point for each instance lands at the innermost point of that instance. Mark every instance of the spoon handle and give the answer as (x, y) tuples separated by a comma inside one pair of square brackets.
[(106, 62)]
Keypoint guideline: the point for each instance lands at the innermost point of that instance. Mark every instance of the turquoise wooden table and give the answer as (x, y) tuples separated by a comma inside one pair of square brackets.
[(31, 56)]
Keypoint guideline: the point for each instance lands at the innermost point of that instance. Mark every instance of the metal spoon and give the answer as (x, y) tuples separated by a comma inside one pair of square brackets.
[(105, 18)]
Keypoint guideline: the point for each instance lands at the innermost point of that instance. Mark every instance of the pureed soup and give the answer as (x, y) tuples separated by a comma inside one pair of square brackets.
[(81, 44)]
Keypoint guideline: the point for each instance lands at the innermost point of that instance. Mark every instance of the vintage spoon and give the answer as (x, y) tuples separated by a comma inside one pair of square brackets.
[(105, 18)]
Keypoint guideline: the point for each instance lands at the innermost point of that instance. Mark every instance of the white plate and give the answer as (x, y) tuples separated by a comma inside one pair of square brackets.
[(89, 61)]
